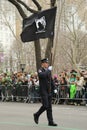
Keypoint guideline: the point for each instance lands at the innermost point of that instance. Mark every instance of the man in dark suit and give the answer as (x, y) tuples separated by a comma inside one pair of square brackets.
[(46, 90)]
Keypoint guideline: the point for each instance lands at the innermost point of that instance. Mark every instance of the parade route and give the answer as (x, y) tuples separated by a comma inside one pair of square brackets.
[(19, 116)]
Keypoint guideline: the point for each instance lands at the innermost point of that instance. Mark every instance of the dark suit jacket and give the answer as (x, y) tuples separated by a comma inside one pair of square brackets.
[(45, 81)]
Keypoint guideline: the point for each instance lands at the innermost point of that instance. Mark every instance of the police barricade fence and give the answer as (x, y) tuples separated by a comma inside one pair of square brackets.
[(15, 92), (64, 95), (30, 94), (33, 94)]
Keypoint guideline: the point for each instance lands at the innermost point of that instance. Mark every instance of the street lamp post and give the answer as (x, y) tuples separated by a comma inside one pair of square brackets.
[(22, 67)]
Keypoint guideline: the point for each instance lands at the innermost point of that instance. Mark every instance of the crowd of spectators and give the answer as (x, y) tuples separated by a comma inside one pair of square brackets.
[(19, 86), (70, 87)]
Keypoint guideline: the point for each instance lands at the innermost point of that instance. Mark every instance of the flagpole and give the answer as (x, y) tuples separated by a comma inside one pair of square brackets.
[(52, 40)]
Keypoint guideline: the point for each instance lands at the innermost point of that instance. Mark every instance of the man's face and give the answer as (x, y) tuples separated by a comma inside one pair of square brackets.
[(45, 65)]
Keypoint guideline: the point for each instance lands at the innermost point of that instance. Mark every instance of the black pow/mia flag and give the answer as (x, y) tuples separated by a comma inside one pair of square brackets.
[(40, 25)]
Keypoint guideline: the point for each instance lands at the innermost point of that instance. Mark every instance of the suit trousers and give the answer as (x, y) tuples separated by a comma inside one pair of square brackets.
[(46, 106)]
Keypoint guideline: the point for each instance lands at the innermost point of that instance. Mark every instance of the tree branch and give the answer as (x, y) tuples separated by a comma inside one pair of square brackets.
[(83, 58), (17, 3), (37, 4), (65, 50), (27, 7), (68, 37), (82, 38), (22, 13), (74, 32), (8, 24), (70, 30)]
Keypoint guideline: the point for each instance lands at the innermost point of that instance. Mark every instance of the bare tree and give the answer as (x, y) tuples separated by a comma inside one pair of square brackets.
[(69, 48), (71, 37), (76, 37), (18, 4)]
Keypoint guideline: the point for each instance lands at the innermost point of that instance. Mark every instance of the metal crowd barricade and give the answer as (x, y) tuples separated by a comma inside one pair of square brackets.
[(63, 95), (13, 92), (22, 92), (33, 94), (19, 93), (3, 92), (30, 94)]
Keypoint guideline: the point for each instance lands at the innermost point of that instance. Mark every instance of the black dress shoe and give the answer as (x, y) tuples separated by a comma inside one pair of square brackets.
[(52, 124), (35, 118)]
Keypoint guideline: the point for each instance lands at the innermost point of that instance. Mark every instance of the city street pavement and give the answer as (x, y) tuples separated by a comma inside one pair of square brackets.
[(19, 116)]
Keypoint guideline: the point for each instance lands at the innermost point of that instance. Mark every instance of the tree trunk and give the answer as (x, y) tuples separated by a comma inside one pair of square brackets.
[(48, 53), (18, 4), (37, 53)]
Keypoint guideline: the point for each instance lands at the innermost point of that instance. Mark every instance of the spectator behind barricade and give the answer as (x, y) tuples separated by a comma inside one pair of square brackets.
[(28, 77), (14, 87), (72, 82), (24, 79), (63, 74), (55, 79), (24, 87), (85, 86), (7, 86), (32, 88), (82, 82), (56, 85), (63, 89), (36, 83), (32, 80), (13, 77), (0, 88), (79, 87), (36, 77), (73, 71), (36, 80), (19, 89), (4, 79)]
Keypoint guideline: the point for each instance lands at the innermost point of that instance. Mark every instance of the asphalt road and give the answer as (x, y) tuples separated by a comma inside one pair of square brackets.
[(19, 116)]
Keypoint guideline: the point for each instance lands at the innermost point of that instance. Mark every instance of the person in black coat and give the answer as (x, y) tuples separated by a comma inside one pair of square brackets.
[(46, 90)]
